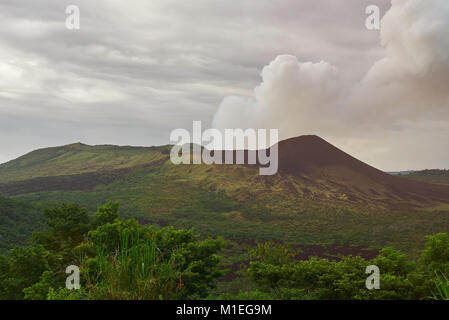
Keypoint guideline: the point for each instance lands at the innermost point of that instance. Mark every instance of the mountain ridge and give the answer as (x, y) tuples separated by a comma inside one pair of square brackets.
[(320, 194), (309, 167)]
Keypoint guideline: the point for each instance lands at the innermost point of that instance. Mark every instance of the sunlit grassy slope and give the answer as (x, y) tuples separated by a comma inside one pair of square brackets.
[(75, 159)]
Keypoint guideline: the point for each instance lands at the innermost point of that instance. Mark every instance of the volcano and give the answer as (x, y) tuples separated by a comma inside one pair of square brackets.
[(320, 194), (313, 159), (308, 167)]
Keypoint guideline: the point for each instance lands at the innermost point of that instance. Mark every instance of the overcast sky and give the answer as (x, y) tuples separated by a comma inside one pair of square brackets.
[(138, 69)]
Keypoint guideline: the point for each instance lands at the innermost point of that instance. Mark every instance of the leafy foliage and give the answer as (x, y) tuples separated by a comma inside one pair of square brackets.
[(120, 259), (278, 275), (18, 220), (123, 259)]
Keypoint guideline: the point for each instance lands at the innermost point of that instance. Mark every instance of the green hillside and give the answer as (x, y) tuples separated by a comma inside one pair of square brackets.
[(231, 201), (77, 158), (433, 175), (322, 201), (327, 203), (18, 219)]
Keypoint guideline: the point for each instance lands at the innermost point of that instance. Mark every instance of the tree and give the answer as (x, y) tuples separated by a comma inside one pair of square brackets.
[(436, 254)]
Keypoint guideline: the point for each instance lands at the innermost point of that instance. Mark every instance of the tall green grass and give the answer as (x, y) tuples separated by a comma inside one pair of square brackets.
[(136, 270), (442, 284)]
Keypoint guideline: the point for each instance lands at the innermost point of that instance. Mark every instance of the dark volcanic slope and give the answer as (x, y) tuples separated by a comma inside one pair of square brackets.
[(315, 159), (308, 152)]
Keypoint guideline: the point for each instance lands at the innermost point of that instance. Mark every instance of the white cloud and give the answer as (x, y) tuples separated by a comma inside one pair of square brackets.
[(395, 117), (290, 95)]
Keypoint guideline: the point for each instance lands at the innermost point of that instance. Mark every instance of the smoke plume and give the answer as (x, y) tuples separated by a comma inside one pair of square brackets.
[(402, 101)]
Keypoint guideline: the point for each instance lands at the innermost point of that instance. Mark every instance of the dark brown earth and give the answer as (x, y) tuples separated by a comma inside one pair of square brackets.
[(76, 182), (322, 171), (312, 158), (79, 182)]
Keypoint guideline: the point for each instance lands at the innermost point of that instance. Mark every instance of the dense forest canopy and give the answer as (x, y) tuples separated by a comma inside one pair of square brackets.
[(122, 259)]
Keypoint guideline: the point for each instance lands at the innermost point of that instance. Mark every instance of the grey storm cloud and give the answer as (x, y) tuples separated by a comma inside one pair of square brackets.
[(138, 69)]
